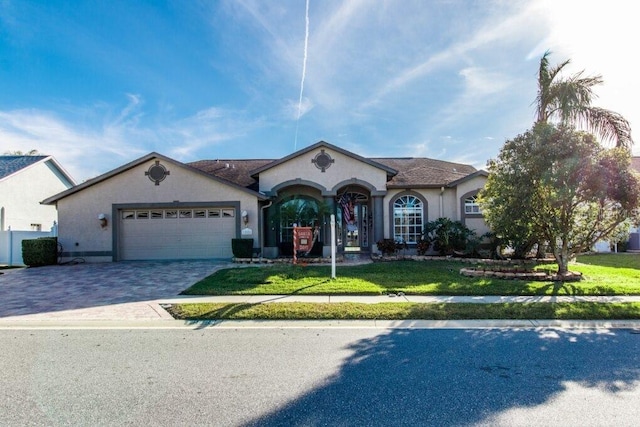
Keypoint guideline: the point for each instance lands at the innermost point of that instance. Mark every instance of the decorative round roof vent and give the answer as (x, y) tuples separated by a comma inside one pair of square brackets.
[(157, 172), (322, 160)]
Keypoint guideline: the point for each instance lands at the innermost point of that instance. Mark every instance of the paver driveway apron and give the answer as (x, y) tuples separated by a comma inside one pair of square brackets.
[(95, 289)]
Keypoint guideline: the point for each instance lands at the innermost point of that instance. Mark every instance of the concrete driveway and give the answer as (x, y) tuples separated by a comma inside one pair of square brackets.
[(100, 291)]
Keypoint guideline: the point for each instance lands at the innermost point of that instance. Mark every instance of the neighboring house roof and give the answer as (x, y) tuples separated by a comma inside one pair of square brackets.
[(130, 165), (10, 165)]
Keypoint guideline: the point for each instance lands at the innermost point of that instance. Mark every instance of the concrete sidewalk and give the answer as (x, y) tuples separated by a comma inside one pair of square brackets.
[(152, 313)]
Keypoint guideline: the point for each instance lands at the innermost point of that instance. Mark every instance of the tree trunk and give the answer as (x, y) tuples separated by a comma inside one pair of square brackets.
[(562, 256)]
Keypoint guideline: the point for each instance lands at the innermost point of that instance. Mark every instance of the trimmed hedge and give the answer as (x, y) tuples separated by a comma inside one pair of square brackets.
[(242, 248), (38, 252)]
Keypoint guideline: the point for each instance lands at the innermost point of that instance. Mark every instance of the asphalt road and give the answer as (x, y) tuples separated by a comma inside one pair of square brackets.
[(312, 377)]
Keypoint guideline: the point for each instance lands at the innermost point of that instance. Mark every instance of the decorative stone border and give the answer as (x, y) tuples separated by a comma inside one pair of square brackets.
[(539, 276), (476, 261), (507, 269)]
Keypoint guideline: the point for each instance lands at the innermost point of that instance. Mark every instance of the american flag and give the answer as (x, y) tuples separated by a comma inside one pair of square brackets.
[(346, 210)]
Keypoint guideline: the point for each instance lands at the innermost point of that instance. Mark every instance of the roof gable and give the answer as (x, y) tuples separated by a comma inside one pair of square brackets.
[(133, 164), (11, 165), (322, 144)]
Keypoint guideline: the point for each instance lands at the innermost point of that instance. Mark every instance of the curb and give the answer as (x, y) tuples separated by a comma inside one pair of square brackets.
[(317, 324)]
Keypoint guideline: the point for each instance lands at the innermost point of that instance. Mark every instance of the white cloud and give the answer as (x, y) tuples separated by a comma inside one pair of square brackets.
[(87, 151), (293, 109)]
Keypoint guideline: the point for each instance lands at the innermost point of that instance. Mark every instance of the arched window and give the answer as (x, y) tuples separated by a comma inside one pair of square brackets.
[(301, 211), (407, 219), (471, 205)]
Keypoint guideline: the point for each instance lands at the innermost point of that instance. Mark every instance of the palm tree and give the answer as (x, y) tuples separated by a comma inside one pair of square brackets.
[(569, 99), (20, 153)]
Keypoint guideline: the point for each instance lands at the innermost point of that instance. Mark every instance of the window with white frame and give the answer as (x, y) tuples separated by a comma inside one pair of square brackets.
[(407, 219), (471, 205)]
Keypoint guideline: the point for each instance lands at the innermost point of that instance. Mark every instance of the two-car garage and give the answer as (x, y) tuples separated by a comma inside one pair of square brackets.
[(183, 232), (154, 208)]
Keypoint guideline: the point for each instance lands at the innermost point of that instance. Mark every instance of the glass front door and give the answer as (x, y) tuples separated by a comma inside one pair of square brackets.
[(352, 215)]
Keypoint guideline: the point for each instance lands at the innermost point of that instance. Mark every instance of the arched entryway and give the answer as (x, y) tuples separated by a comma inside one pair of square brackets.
[(300, 205), (353, 220), (356, 211)]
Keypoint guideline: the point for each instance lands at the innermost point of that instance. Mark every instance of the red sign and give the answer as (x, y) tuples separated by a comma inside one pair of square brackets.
[(303, 238)]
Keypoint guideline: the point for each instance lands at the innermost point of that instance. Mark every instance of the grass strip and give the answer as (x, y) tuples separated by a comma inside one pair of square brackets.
[(405, 311)]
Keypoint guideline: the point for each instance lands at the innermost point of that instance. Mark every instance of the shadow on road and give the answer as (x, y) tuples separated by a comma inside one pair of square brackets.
[(449, 377)]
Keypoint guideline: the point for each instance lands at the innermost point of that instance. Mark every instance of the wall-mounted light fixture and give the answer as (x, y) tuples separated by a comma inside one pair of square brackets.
[(245, 217), (103, 220)]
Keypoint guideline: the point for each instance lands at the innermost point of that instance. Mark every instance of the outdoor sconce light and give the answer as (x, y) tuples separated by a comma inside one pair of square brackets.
[(103, 220), (245, 217)]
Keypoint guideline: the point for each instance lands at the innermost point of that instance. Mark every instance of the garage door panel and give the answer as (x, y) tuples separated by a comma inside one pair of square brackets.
[(180, 234)]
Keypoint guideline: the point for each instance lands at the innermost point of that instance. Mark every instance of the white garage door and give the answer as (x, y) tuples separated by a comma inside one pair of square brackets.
[(198, 233)]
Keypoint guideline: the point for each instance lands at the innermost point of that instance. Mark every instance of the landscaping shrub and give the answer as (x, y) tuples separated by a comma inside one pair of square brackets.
[(448, 236), (423, 246), (390, 246), (38, 252), (242, 248)]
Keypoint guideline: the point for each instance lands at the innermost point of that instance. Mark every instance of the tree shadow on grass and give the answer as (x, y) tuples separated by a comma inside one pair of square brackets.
[(560, 288), (470, 377), (568, 289)]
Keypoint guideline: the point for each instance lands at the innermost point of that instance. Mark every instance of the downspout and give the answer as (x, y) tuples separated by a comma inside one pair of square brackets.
[(262, 227), (441, 202)]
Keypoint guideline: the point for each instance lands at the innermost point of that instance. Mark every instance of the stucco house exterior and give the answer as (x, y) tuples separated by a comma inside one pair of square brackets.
[(158, 208), (24, 182)]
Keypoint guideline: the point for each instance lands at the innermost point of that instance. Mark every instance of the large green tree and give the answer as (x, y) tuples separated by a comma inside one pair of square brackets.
[(561, 185), (567, 100)]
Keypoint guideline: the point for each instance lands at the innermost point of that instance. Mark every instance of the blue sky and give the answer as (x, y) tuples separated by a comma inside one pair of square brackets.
[(97, 84)]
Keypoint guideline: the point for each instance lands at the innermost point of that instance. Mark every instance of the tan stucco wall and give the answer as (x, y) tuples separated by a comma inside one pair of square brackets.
[(343, 169), (474, 222), (450, 204), (79, 212), (432, 196), (21, 194)]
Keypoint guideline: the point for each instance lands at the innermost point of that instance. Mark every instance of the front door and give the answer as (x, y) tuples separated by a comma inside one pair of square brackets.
[(353, 220)]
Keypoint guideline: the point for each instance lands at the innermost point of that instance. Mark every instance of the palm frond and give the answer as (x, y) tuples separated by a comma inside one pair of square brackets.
[(609, 125)]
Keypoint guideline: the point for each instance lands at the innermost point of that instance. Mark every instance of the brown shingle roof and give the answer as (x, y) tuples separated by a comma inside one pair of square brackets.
[(236, 171), (424, 172), (412, 172)]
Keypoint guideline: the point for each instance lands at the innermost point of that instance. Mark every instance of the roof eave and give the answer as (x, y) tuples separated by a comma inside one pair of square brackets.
[(153, 155)]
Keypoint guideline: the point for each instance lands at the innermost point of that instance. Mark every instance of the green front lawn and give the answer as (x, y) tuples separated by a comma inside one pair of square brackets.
[(403, 311), (610, 274)]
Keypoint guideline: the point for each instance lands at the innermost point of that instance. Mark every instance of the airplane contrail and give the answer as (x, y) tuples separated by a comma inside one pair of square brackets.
[(304, 72)]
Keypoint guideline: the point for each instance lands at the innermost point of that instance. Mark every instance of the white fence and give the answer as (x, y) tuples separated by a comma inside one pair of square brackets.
[(11, 244)]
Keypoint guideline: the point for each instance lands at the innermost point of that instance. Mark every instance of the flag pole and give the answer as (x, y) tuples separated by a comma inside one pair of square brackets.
[(333, 246)]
